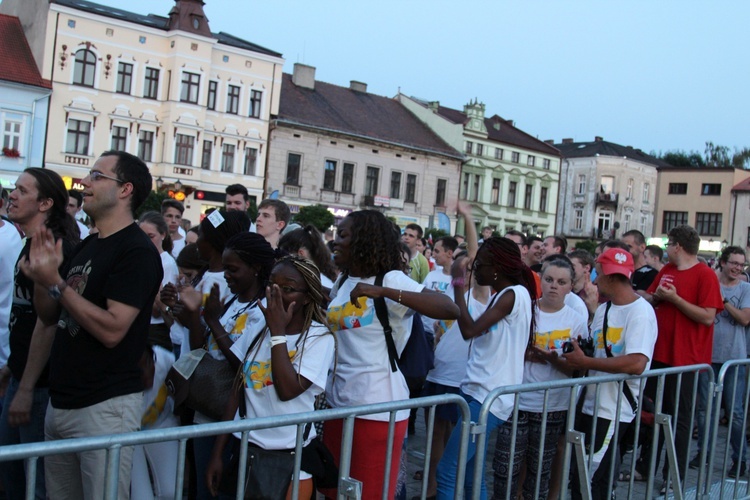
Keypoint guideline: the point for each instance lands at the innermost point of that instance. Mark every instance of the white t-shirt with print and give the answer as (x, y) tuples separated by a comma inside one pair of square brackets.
[(452, 351), (178, 246), (552, 331), (631, 330), (312, 359), (157, 403), (496, 356), (578, 305), (363, 375), (438, 282), (236, 320), (204, 287), (169, 266)]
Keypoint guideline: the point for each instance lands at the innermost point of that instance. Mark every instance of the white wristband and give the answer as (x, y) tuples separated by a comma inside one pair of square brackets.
[(278, 339)]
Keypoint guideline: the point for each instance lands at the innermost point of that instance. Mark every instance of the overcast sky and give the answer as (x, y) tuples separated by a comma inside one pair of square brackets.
[(654, 75)]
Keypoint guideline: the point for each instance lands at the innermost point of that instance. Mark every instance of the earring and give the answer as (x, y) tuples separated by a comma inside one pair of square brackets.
[(495, 278)]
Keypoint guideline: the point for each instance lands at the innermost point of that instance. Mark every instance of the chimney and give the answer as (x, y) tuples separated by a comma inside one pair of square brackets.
[(567, 141), (551, 142), (598, 139), (304, 76), (188, 15), (357, 86)]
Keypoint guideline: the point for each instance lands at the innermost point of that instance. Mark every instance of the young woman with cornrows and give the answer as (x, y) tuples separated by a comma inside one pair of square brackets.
[(499, 339), (366, 246)]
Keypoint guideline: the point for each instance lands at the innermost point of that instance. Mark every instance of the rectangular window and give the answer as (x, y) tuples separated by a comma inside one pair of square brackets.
[(329, 175), (711, 190), (646, 193), (411, 188), (578, 219), (396, 185), (581, 184), (677, 188), (496, 191), (79, 133), (183, 153), (466, 186), (371, 181), (146, 145), (251, 160), (190, 85), (480, 149), (151, 84), (293, 163), (347, 178), (213, 89), (12, 135), (227, 158), (626, 223), (498, 153), (543, 200), (476, 188), (515, 157), (233, 100), (512, 186), (546, 164), (119, 138), (469, 147), (528, 196), (673, 219), (629, 190), (256, 98), (708, 224), (208, 147), (530, 160), (124, 78), (643, 223), (442, 186)]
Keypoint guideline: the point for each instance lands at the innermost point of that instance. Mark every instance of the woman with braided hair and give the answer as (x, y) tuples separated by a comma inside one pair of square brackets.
[(308, 243), (499, 339), (367, 250), (285, 359)]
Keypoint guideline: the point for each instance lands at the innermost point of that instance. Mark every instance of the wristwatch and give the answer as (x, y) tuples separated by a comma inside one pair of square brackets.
[(55, 291)]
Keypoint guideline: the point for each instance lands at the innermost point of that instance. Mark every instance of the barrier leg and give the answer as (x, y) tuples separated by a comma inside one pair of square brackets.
[(674, 477), (576, 440)]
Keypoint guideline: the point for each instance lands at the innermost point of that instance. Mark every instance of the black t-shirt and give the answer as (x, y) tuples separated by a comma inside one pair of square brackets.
[(124, 267), (23, 316), (643, 277)]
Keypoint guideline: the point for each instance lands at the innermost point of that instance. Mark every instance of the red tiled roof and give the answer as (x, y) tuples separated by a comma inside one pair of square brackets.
[(16, 60), (342, 110), (743, 185), (501, 130)]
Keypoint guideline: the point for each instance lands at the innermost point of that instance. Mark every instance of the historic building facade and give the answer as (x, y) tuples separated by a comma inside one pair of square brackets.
[(193, 104)]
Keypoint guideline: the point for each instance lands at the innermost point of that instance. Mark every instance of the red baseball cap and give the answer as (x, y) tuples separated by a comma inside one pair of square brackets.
[(616, 261)]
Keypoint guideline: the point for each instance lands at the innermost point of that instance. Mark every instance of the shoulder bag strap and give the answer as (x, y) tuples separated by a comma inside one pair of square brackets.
[(382, 312), (608, 350)]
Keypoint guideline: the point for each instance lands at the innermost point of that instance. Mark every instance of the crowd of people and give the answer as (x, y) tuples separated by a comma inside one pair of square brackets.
[(97, 316)]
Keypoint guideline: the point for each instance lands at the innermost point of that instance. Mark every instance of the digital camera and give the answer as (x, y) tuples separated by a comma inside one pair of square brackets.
[(587, 345)]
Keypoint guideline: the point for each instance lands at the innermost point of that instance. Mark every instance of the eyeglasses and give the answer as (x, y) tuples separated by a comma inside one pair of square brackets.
[(671, 243), (736, 264), (96, 175), (287, 288)]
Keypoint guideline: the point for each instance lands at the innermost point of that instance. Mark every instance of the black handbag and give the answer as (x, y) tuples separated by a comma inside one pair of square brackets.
[(318, 461), (207, 390), (267, 476)]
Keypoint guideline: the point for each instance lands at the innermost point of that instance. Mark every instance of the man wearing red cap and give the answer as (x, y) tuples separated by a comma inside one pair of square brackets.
[(624, 331), (687, 296)]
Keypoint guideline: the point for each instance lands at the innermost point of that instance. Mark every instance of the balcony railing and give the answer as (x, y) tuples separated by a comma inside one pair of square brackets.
[(607, 198)]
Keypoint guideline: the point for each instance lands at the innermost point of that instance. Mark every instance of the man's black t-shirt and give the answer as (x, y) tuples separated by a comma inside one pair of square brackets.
[(643, 277), (23, 315), (124, 267)]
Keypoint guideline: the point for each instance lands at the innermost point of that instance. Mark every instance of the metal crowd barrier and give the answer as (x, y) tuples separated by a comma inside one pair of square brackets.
[(348, 487), (575, 448)]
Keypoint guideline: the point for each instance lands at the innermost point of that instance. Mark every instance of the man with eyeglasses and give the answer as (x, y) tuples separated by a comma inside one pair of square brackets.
[(729, 343), (686, 296), (101, 305)]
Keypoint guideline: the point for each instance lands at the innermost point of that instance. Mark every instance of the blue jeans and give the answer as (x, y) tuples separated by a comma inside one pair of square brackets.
[(446, 469), (13, 473), (737, 433)]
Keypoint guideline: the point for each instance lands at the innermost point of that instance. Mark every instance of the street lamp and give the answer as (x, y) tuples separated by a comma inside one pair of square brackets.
[(159, 183), (178, 185)]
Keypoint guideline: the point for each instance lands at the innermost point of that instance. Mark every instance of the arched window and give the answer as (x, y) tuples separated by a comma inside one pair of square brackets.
[(85, 66)]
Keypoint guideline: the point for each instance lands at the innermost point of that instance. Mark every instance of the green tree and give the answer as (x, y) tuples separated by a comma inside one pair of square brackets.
[(435, 233), (151, 203), (683, 159), (717, 156), (588, 245), (316, 215)]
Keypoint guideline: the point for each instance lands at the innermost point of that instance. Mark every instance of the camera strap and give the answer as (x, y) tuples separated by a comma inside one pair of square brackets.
[(608, 350)]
